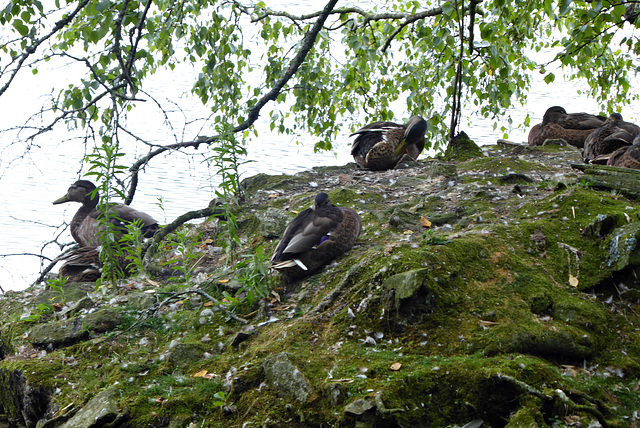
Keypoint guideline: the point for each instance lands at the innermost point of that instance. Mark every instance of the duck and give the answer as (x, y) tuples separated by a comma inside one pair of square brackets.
[(85, 226), (315, 237), (558, 124), (553, 131), (82, 264), (626, 156), (612, 135), (559, 115), (380, 145)]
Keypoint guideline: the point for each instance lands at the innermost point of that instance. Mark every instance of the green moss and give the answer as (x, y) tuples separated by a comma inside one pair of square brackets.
[(462, 148)]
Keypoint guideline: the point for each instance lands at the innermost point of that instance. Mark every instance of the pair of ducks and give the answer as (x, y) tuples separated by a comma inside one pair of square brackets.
[(315, 237), (602, 140)]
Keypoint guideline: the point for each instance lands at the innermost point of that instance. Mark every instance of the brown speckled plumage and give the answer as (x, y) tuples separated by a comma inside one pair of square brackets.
[(85, 226), (558, 124), (315, 237), (380, 145), (608, 138)]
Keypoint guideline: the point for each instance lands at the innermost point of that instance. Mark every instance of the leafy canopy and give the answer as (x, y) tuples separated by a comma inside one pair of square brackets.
[(399, 58)]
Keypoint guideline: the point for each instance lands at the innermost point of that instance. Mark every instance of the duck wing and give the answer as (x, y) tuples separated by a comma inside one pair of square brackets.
[(604, 140), (307, 231), (370, 135)]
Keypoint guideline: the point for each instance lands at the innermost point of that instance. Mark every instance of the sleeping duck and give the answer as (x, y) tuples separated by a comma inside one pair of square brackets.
[(85, 225), (81, 264), (315, 237), (380, 145), (627, 156), (559, 115), (574, 128), (615, 133)]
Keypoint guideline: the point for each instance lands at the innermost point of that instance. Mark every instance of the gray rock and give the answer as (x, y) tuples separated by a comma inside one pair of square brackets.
[(623, 247), (402, 219), (359, 407), (184, 354), (101, 411), (141, 301), (286, 378), (84, 303), (406, 293), (64, 333), (601, 226), (273, 222), (23, 404)]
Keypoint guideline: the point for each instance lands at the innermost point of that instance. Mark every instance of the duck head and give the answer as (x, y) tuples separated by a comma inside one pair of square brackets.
[(82, 191)]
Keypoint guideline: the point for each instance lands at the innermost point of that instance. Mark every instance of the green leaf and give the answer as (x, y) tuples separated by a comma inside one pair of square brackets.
[(20, 27), (565, 6)]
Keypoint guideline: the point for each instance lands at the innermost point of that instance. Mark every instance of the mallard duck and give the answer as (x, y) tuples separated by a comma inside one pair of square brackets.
[(559, 115), (626, 156), (315, 237), (380, 145), (608, 138), (83, 264), (85, 227), (553, 131), (558, 124)]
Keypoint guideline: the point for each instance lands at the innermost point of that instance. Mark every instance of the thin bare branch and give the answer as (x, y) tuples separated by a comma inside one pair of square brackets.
[(34, 46)]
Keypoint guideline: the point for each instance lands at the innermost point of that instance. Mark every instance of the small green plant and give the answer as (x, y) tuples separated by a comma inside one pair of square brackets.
[(184, 252), (430, 238), (544, 183), (586, 184), (226, 158), (160, 204), (132, 245), (41, 309), (253, 276), (221, 399), (104, 166), (58, 285)]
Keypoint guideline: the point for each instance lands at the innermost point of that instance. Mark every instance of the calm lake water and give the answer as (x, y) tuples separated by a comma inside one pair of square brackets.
[(32, 177)]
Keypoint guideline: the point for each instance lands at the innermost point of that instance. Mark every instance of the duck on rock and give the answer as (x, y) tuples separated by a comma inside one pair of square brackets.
[(614, 134), (626, 156), (380, 145), (85, 225), (574, 128), (315, 237)]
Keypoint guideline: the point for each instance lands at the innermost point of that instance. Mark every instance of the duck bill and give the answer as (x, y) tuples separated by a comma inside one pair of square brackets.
[(61, 200), (401, 148)]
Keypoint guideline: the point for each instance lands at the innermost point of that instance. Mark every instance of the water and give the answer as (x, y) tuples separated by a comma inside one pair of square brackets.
[(32, 177)]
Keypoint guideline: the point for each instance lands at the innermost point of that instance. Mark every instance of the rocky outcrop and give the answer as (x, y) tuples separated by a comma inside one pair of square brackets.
[(501, 290)]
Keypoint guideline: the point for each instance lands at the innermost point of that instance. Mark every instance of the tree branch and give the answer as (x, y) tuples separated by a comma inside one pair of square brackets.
[(254, 112), (34, 46)]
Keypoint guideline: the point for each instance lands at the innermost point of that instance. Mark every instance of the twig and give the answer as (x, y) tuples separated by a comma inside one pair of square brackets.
[(560, 395), (34, 46), (174, 296)]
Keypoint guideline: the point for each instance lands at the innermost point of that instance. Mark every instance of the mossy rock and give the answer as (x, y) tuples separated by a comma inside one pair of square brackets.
[(462, 148), (623, 247)]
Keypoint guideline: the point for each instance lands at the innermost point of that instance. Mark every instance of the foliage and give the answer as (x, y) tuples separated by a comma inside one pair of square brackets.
[(41, 309), (183, 262), (363, 62), (58, 285), (430, 238), (226, 158), (132, 245), (104, 166), (253, 276)]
